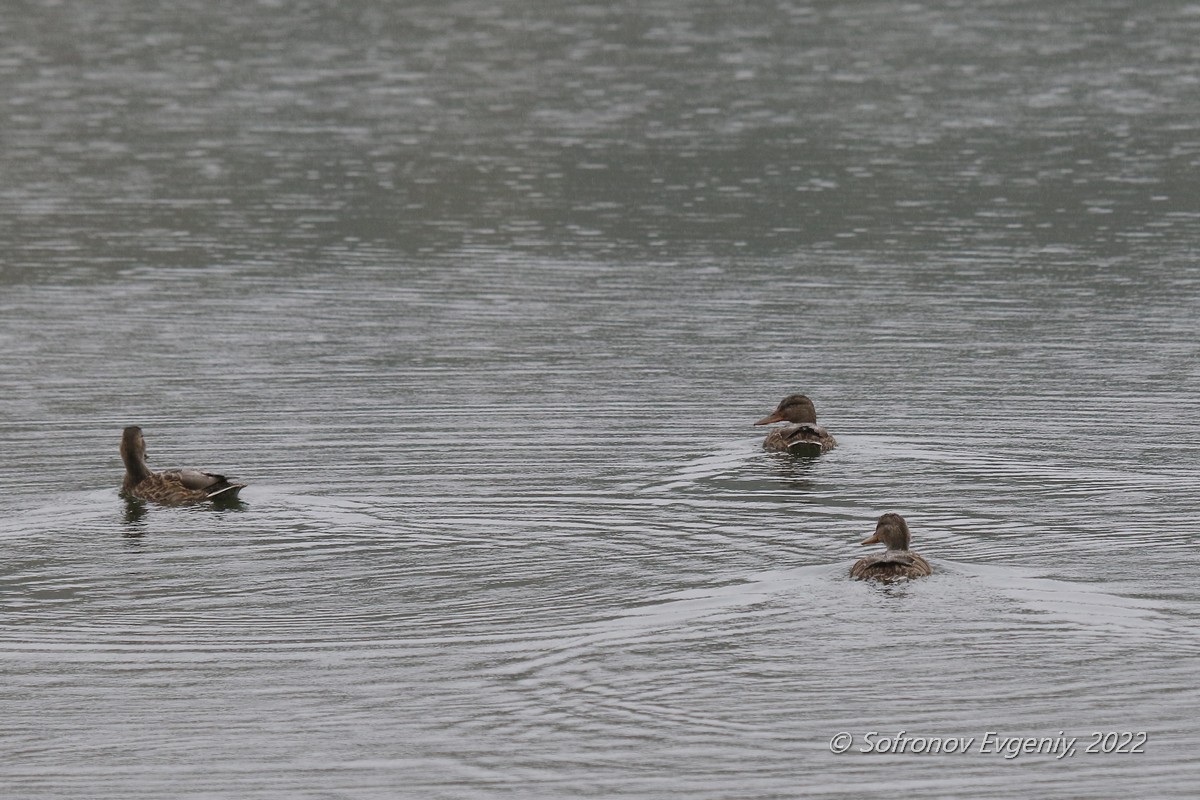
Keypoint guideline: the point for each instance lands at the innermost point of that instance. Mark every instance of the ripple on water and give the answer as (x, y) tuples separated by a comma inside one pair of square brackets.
[(488, 346)]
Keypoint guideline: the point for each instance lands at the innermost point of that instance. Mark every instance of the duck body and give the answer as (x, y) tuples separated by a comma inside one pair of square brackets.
[(897, 562), (802, 438), (175, 487), (891, 566)]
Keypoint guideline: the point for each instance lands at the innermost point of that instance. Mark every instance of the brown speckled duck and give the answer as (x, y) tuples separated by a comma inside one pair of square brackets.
[(802, 438), (175, 487), (897, 562)]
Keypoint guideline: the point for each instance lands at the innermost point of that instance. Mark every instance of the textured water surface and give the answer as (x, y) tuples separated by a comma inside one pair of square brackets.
[(482, 300)]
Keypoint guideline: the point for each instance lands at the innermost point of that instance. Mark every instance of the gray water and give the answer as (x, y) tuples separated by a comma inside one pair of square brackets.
[(481, 300)]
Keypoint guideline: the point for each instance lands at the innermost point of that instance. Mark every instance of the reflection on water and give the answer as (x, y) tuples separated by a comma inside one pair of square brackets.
[(482, 303), (135, 511)]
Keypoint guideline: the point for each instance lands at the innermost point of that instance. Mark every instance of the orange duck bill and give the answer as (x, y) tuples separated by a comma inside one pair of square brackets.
[(774, 417)]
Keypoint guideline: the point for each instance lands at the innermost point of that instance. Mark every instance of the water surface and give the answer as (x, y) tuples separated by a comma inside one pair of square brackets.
[(481, 299)]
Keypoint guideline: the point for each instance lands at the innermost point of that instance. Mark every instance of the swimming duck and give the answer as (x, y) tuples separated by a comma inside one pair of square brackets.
[(897, 562), (805, 437), (175, 487)]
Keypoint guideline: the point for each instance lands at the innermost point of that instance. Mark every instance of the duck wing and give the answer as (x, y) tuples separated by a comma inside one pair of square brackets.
[(197, 479), (804, 431), (807, 439), (210, 483)]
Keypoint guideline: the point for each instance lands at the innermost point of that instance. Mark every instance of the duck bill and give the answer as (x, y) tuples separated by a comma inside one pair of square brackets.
[(775, 417), (873, 539)]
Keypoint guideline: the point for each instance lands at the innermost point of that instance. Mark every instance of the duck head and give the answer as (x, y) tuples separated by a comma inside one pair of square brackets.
[(892, 531), (793, 408)]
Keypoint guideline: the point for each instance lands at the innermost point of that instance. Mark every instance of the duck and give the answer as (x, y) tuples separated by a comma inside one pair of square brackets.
[(897, 562), (175, 487), (802, 438)]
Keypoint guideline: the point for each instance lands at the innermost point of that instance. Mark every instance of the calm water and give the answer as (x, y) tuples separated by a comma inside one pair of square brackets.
[(481, 299)]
